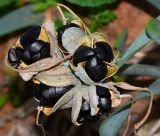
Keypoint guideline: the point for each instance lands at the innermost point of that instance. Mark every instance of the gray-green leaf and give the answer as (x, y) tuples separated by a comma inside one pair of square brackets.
[(19, 19), (140, 69), (136, 45), (112, 125)]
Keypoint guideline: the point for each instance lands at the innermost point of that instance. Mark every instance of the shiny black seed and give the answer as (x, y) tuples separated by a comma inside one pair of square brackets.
[(85, 113), (83, 53), (62, 29), (30, 36), (26, 57), (96, 69), (48, 96), (103, 51), (19, 52), (45, 52), (102, 92), (15, 64), (12, 57), (35, 57), (36, 47), (105, 104)]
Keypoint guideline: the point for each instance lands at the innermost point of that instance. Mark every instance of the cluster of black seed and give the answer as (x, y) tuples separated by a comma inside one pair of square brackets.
[(94, 59), (32, 49)]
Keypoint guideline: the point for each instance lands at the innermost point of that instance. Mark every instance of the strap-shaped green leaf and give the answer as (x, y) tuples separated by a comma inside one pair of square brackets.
[(140, 69), (136, 45), (19, 19)]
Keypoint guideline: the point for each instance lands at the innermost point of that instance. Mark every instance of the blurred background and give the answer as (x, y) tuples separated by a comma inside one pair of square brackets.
[(120, 20)]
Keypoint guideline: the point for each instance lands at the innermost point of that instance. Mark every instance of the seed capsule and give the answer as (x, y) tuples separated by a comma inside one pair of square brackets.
[(62, 29)]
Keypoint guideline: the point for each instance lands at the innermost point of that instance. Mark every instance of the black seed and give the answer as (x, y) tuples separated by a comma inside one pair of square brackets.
[(26, 57), (103, 51), (61, 30), (102, 92), (19, 52), (15, 64), (36, 47), (62, 90), (12, 57), (105, 104), (48, 96), (35, 57), (45, 52), (83, 53), (96, 69), (30, 36)]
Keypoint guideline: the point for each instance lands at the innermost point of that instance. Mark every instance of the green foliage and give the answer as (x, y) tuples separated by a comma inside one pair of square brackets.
[(155, 3), (101, 18), (136, 45), (117, 78), (58, 23), (153, 30), (43, 5), (3, 100), (119, 42), (91, 3), (5, 3), (19, 19)]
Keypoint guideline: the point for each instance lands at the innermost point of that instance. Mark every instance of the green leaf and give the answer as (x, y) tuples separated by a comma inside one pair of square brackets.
[(101, 18), (140, 69), (3, 100), (153, 30), (121, 113), (91, 3), (41, 6), (155, 3), (136, 45), (58, 23), (19, 19), (4, 3), (121, 39), (112, 124)]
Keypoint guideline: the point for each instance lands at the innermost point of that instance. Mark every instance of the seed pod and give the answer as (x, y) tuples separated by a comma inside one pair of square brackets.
[(104, 106), (94, 60), (69, 36)]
